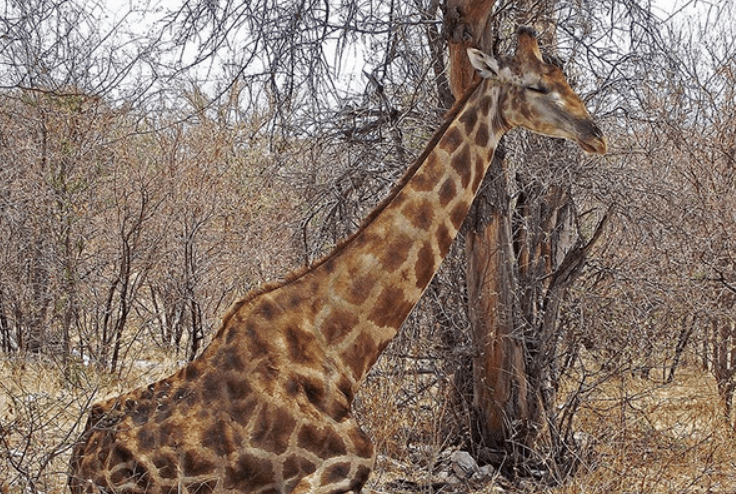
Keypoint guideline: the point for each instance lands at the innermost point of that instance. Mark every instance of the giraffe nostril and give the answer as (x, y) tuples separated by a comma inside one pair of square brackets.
[(596, 132), (591, 130), (591, 138)]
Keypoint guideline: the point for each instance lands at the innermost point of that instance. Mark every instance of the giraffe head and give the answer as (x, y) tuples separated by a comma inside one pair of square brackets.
[(536, 95)]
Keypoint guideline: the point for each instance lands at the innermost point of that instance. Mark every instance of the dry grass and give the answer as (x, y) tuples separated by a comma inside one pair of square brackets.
[(43, 405), (646, 437), (39, 406), (671, 438)]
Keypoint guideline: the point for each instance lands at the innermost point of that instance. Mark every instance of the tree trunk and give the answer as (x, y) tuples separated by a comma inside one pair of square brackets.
[(5, 333), (522, 256), (499, 370), (498, 377)]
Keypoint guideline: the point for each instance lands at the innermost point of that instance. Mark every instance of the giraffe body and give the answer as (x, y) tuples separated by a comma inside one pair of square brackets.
[(266, 408)]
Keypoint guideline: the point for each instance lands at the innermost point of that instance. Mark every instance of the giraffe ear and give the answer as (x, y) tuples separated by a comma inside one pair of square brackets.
[(486, 65)]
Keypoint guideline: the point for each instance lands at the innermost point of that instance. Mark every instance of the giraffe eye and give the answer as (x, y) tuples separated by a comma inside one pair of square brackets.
[(538, 89)]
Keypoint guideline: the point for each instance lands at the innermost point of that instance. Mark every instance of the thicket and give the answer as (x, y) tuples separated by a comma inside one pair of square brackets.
[(132, 215)]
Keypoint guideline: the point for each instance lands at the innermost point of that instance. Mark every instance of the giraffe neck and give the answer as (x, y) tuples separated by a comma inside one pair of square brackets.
[(375, 279), (334, 320)]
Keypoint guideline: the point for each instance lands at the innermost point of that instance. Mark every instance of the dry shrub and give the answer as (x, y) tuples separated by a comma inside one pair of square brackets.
[(40, 409), (643, 436), (43, 407), (632, 434), (656, 438)]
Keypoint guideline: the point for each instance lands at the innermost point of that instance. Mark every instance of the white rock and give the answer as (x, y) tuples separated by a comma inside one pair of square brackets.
[(484, 473), (463, 464)]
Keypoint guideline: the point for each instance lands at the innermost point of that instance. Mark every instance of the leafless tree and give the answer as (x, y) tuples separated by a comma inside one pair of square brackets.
[(150, 177)]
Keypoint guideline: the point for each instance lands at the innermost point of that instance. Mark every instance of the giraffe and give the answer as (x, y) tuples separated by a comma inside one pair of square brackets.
[(266, 408)]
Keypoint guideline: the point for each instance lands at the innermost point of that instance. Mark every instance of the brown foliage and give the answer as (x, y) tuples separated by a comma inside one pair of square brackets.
[(126, 231)]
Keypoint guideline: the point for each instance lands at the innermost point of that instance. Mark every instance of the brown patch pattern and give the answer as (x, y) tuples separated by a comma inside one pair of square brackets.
[(444, 240), (146, 438), (485, 105), (296, 467), (338, 324), (216, 439), (391, 308), (452, 140), (194, 464), (360, 289), (303, 347), (461, 164), (335, 473), (395, 252), (248, 473), (362, 445), (359, 354), (166, 465), (322, 441), (426, 177), (469, 118), (447, 191), (482, 135), (421, 214), (424, 268), (272, 430), (231, 359), (457, 215), (237, 387)]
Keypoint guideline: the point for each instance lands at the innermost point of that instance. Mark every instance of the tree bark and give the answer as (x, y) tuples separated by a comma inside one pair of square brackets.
[(467, 24), (522, 256), (499, 384), (499, 370)]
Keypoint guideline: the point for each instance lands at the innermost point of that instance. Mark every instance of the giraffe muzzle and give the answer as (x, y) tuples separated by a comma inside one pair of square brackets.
[(591, 139)]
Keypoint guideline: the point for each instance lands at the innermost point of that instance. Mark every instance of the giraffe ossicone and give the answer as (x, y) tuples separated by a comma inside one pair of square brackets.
[(266, 408)]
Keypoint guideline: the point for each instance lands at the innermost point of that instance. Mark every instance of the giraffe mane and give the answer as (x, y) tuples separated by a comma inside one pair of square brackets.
[(340, 246)]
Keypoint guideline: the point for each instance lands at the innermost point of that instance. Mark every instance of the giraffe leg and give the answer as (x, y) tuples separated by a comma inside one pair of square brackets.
[(345, 470), (342, 474)]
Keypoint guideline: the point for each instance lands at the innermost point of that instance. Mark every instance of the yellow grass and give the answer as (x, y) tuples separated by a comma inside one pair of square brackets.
[(647, 437), (658, 438), (42, 411)]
